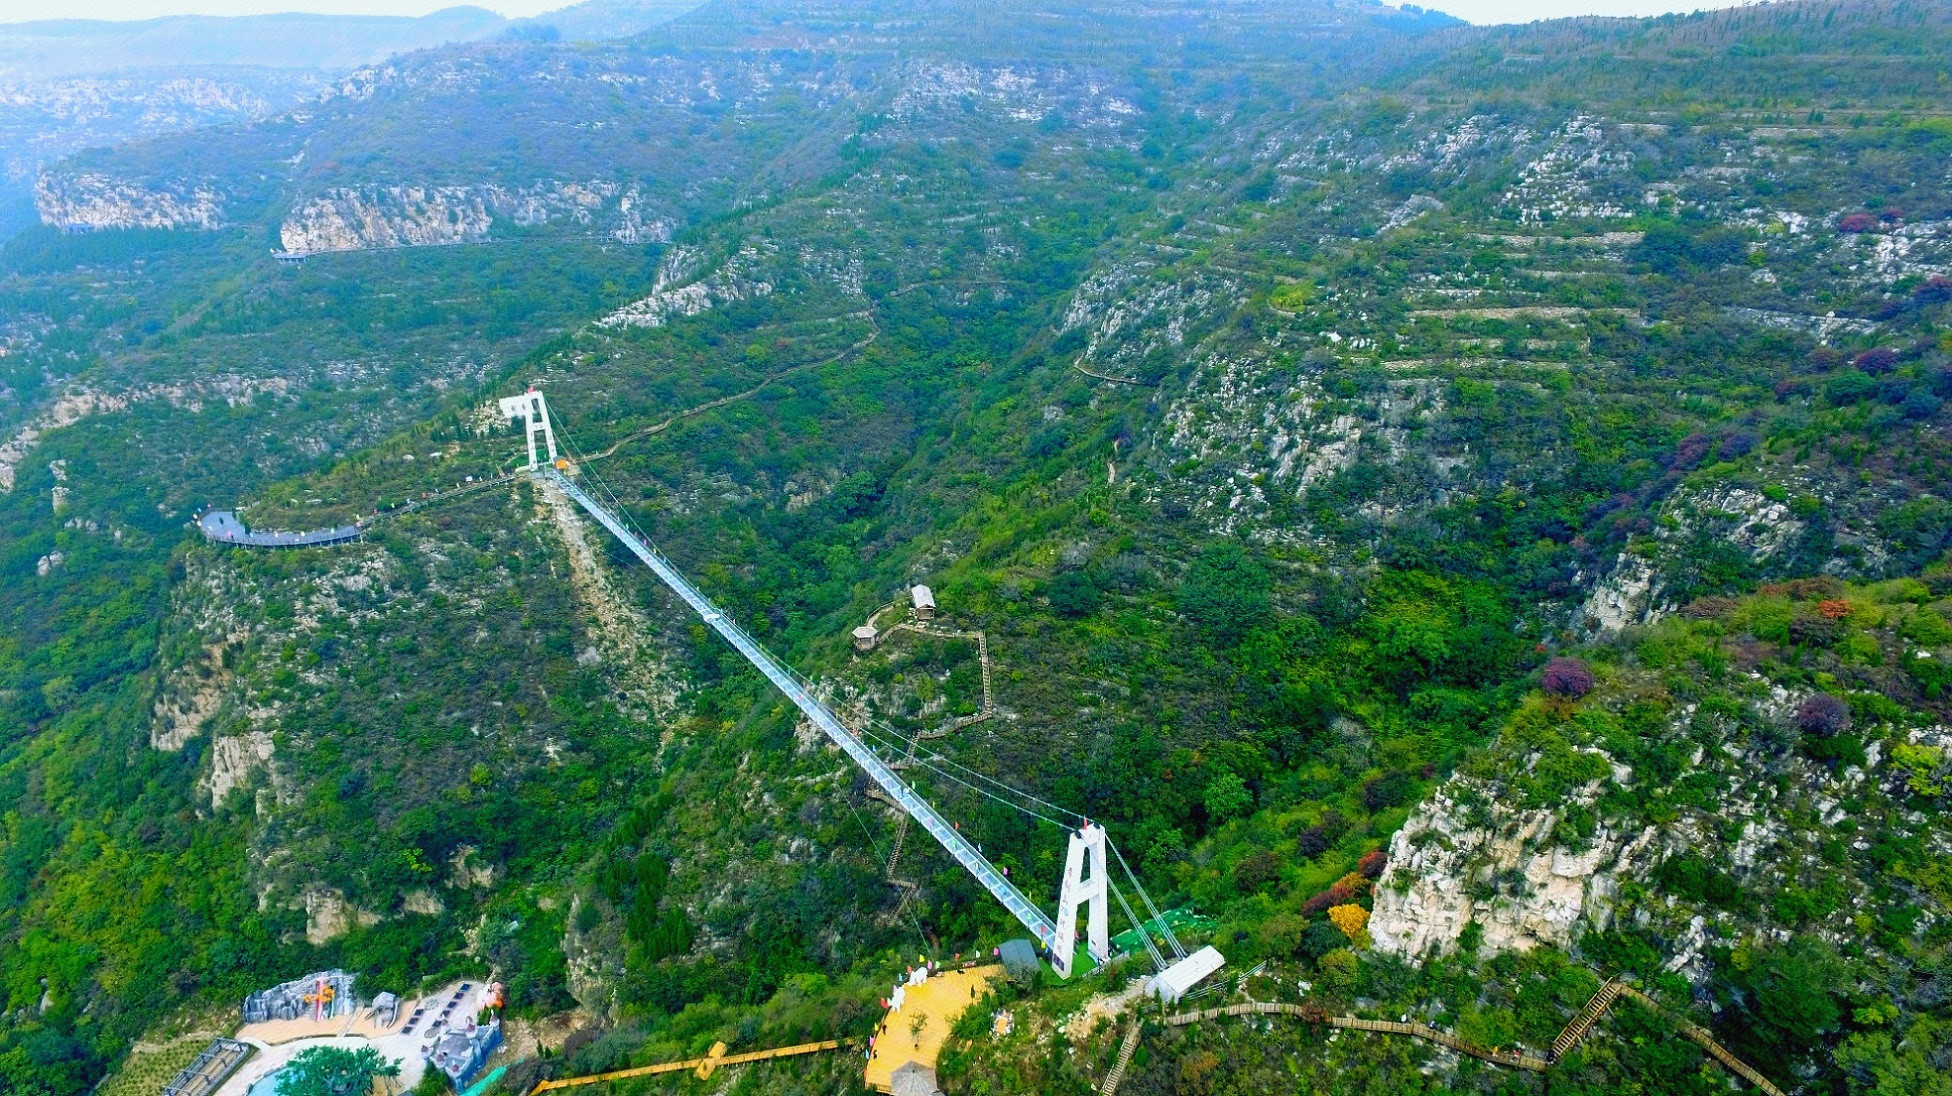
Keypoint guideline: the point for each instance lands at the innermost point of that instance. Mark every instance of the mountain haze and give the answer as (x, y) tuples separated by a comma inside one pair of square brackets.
[(67, 47)]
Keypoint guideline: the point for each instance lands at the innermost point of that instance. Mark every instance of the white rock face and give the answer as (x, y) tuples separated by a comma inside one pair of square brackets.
[(1631, 593), (77, 404), (345, 219), (92, 201), (1625, 597), (679, 290), (234, 759), (364, 218), (329, 916), (1567, 178), (189, 697), (1445, 870)]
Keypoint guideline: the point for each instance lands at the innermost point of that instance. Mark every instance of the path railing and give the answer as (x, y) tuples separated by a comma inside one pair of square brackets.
[(1574, 1033)]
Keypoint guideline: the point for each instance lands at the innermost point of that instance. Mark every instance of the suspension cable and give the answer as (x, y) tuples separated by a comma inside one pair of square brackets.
[(877, 735), (1165, 928), (1159, 963)]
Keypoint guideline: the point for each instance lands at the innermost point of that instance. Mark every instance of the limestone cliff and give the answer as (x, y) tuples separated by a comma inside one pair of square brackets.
[(1466, 856), (78, 403), (95, 201), (347, 219), (681, 290), (407, 215), (1741, 517)]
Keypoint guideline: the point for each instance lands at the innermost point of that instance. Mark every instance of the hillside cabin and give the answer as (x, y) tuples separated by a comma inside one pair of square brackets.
[(924, 602)]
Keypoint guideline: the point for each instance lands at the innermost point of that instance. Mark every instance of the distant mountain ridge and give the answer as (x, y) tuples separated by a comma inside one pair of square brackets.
[(62, 47), (598, 19), (71, 84)]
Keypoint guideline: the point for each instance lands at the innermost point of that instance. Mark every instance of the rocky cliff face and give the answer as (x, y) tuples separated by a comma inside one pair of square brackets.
[(93, 201), (78, 403), (680, 290), (1466, 856), (1740, 517), (347, 219), (363, 218)]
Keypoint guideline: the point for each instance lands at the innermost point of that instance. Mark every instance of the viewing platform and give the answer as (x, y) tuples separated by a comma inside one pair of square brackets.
[(223, 527)]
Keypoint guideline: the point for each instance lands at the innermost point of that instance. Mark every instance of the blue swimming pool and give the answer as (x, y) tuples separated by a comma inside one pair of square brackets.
[(266, 1085)]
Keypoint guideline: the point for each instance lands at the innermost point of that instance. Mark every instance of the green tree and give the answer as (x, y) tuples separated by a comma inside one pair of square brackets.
[(1225, 593), (1876, 1064), (334, 1071), (1227, 796), (1788, 993), (1073, 594)]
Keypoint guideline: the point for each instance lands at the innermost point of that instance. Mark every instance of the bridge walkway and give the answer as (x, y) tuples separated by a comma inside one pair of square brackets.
[(784, 679), (223, 526)]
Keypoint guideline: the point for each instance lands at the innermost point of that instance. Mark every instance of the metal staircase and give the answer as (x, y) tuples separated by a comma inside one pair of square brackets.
[(1583, 1022), (1125, 1051)]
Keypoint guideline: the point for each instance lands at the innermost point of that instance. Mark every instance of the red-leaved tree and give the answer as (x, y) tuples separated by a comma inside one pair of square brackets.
[(1567, 677), (1823, 714)]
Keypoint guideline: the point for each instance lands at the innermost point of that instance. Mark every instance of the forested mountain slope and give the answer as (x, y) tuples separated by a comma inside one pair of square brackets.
[(72, 84), (1278, 390)]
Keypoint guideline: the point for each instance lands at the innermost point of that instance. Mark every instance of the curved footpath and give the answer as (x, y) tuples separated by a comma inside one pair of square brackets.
[(222, 526)]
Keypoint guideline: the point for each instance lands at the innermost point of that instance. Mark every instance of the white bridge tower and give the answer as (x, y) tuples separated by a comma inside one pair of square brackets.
[(530, 408), (1086, 854)]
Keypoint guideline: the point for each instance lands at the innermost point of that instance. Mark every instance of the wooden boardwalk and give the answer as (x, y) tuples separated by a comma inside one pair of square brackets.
[(1575, 1032), (1357, 1023), (1125, 1051)]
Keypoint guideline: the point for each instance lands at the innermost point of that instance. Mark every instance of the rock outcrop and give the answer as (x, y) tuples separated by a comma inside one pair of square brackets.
[(190, 696), (371, 217), (94, 201), (346, 219), (1465, 856), (1742, 517), (233, 759), (77, 404), (679, 290), (593, 960)]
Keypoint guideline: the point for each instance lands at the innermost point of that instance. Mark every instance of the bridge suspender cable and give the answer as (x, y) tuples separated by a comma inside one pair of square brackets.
[(782, 678), (1087, 880)]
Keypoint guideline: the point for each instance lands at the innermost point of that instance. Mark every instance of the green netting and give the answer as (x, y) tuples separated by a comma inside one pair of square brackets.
[(1180, 921)]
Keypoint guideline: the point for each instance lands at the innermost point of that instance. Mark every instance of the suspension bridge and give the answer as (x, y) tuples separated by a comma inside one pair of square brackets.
[(1087, 886)]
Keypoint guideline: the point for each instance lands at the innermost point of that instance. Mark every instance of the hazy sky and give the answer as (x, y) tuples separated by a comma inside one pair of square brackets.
[(12, 11)]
